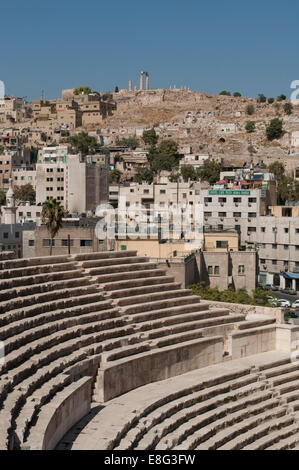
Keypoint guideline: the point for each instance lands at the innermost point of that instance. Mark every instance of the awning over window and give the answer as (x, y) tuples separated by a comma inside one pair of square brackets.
[(291, 275)]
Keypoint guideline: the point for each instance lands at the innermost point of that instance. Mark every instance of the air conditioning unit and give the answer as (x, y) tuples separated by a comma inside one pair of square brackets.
[(249, 205), (249, 220), (236, 219), (221, 218), (222, 204), (236, 205)]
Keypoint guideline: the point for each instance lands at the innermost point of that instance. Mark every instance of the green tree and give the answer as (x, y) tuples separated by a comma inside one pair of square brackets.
[(115, 176), (188, 173), (261, 98), (250, 126), (144, 174), (281, 98), (84, 143), (237, 94), (2, 198), (150, 137), (174, 177), (24, 193), (116, 89), (168, 148), (209, 171), (1, 149), (271, 100), (52, 215), (250, 110), (288, 108), (86, 90), (225, 93), (130, 142), (275, 129)]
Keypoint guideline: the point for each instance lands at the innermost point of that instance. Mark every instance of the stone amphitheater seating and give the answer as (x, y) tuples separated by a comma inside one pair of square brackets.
[(73, 324)]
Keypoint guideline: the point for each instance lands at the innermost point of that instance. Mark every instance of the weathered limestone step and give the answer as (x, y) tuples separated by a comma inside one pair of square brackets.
[(122, 286), (166, 420), (46, 297), (35, 261), (102, 255), (281, 369), (158, 314), (152, 297), (32, 289), (287, 377), (193, 325), (105, 319), (261, 429), (39, 278), (28, 351), (36, 310), (151, 289), (102, 310), (125, 351), (286, 443), (121, 276), (201, 312), (185, 299), (246, 324), (174, 336), (214, 420), (33, 270), (98, 263), (120, 268), (274, 437), (288, 386)]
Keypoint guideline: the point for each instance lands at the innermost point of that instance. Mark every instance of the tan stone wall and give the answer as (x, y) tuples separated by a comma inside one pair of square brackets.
[(156, 365)]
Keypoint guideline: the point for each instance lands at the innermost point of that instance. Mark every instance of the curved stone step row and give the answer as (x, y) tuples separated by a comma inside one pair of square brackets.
[(35, 270), (35, 261), (102, 255), (7, 284), (167, 418), (108, 262), (48, 296), (47, 286)]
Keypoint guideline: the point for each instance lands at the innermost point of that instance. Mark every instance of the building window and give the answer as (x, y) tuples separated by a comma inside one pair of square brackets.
[(5, 235), (162, 191), (286, 247), (237, 199), (17, 234), (252, 199), (286, 230), (207, 199), (274, 246), (251, 229), (146, 191), (220, 227), (65, 242), (274, 261), (222, 200), (216, 270), (241, 269), (237, 214), (207, 214), (221, 214), (210, 269), (263, 261), (85, 242), (47, 242), (30, 242), (101, 242), (251, 214), (221, 244), (263, 229)]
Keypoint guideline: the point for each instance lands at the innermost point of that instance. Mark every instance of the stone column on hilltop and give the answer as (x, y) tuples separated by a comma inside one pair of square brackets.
[(141, 81), (146, 82), (130, 85)]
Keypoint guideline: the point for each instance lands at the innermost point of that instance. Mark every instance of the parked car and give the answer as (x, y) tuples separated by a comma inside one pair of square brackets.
[(295, 304), (289, 291), (274, 287), (266, 287), (284, 302)]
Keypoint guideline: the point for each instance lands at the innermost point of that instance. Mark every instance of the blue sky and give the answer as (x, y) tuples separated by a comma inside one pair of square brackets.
[(210, 46)]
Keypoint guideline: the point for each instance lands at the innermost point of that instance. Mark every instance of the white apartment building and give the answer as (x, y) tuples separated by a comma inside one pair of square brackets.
[(79, 186)]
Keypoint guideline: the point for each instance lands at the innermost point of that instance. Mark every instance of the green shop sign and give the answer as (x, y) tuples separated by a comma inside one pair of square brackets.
[(228, 192)]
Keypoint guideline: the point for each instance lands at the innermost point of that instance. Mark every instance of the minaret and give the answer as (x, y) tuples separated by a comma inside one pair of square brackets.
[(9, 211)]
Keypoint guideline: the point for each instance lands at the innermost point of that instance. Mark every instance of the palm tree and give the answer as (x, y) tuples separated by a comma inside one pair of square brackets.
[(52, 215)]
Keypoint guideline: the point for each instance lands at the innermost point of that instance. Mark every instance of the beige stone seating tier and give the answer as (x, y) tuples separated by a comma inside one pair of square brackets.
[(149, 406)]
